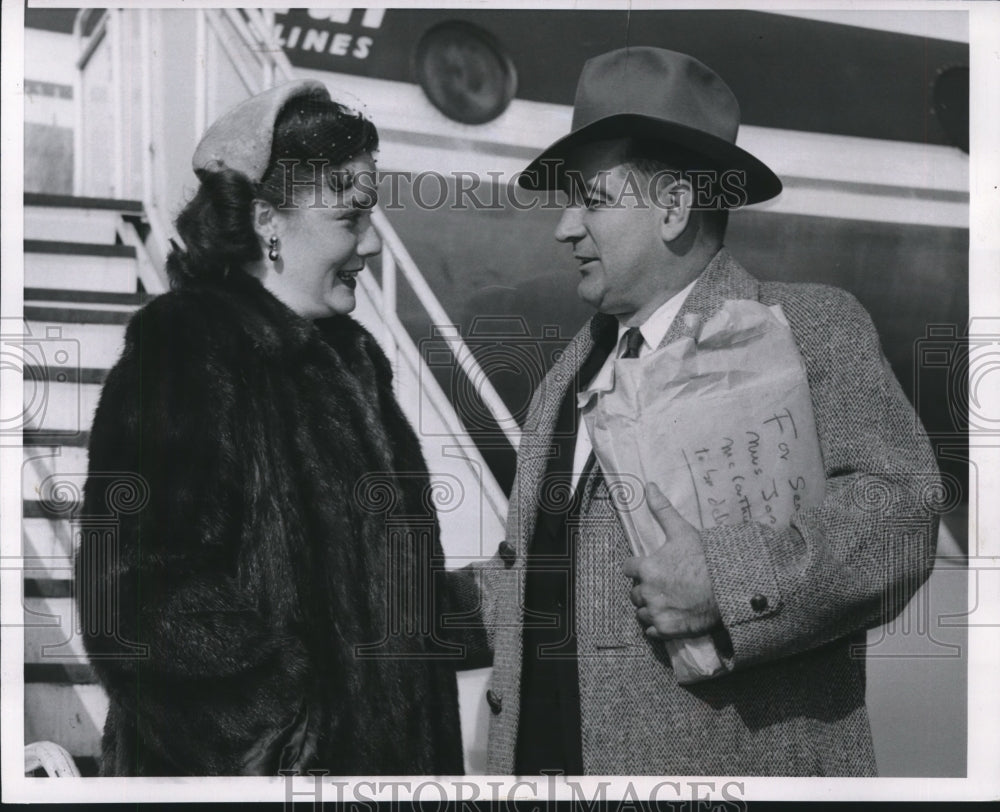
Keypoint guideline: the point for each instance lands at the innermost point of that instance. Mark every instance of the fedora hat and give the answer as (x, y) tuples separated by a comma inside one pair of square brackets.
[(657, 95)]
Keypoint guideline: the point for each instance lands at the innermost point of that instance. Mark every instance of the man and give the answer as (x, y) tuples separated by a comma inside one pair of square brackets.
[(582, 682)]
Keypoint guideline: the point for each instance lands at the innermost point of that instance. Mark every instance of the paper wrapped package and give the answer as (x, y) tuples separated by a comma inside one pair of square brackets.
[(722, 422)]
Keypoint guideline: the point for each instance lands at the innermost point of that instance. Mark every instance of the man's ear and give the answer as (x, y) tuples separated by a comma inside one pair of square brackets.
[(265, 220), (675, 200)]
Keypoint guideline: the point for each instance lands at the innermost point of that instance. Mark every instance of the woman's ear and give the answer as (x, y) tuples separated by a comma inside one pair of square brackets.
[(675, 203), (265, 220)]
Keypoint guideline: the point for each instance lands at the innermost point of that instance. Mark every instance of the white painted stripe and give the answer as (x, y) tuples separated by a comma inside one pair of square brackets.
[(848, 159), (849, 205), (400, 106), (935, 23), (827, 175)]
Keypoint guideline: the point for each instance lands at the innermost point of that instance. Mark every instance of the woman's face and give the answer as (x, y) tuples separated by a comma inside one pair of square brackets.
[(324, 239)]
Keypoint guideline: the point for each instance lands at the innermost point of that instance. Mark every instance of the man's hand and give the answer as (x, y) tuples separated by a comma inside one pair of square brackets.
[(672, 589)]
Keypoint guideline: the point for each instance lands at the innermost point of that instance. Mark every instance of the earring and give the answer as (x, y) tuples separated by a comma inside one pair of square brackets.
[(272, 253)]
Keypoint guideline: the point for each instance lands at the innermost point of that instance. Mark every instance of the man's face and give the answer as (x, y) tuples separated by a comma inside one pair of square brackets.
[(614, 228)]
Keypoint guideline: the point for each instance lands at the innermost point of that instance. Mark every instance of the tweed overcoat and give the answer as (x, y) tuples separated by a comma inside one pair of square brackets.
[(262, 600), (793, 700)]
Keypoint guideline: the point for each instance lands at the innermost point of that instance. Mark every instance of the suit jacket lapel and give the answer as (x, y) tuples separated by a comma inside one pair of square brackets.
[(536, 441), (723, 279)]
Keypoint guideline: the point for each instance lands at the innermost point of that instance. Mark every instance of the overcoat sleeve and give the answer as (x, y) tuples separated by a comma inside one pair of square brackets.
[(166, 624), (854, 561)]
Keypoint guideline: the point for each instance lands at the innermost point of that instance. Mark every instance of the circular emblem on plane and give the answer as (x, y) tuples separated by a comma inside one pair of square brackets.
[(465, 72)]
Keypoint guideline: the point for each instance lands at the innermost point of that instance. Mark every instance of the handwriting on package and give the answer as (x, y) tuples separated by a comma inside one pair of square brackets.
[(722, 422)]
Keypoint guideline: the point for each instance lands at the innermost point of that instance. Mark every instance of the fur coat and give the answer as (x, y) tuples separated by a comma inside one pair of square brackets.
[(262, 599)]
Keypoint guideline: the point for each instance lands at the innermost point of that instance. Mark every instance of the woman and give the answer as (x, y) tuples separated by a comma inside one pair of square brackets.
[(265, 603)]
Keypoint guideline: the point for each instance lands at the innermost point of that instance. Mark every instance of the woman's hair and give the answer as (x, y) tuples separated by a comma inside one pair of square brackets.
[(217, 223)]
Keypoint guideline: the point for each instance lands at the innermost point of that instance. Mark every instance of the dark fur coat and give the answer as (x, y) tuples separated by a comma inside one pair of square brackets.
[(266, 596)]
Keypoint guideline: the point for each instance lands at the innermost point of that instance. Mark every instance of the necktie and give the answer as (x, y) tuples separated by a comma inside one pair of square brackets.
[(633, 343)]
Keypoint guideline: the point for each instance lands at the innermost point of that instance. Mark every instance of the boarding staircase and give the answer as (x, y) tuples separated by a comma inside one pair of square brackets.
[(81, 286), (91, 261)]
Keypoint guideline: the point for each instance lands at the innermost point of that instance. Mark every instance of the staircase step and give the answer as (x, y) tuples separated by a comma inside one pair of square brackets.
[(80, 266), (51, 635), (77, 315), (71, 715), (78, 249), (75, 439), (51, 583), (47, 547), (59, 673), (94, 346), (62, 406), (51, 509), (94, 297), (43, 467), (98, 226), (62, 702), (43, 200), (84, 375)]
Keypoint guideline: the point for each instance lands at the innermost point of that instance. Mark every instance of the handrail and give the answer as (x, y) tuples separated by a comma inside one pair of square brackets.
[(253, 23), (400, 339), (93, 38), (439, 318), (213, 18)]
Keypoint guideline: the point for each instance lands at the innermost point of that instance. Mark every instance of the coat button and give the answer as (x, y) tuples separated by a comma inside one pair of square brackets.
[(507, 554), (496, 705), (758, 602)]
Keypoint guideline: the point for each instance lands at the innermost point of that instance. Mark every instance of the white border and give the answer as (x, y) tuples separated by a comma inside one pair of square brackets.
[(11, 390), (984, 704)]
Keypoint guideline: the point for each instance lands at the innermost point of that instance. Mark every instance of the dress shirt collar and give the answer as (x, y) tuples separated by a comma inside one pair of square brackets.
[(655, 327)]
